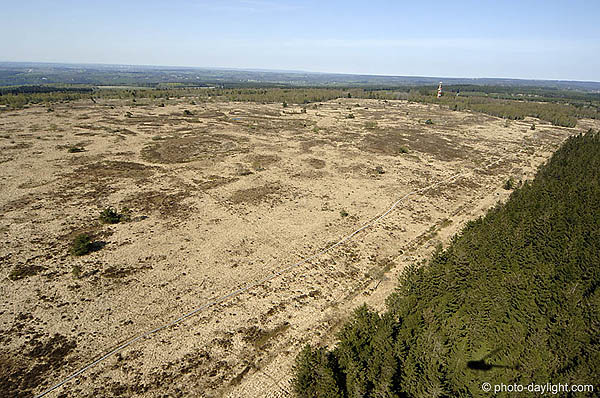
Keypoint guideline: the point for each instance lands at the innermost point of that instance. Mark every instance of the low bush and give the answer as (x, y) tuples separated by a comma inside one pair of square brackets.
[(510, 184), (76, 271), (371, 125), (110, 216), (81, 245)]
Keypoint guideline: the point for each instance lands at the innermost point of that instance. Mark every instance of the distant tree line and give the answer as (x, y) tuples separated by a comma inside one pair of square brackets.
[(559, 110), (515, 298), (559, 114), (43, 89)]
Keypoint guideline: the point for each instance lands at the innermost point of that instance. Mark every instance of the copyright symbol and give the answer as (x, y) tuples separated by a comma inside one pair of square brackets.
[(486, 387)]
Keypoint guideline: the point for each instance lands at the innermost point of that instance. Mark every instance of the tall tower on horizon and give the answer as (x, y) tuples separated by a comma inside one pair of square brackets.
[(440, 90)]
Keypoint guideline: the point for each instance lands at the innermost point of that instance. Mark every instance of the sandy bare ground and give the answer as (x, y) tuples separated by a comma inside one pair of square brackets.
[(221, 196)]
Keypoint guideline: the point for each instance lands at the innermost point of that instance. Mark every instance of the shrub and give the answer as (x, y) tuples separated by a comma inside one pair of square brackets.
[(187, 112), (75, 149), (81, 245), (110, 216), (371, 124), (510, 184), (76, 271), (428, 121), (533, 126), (350, 116), (343, 213)]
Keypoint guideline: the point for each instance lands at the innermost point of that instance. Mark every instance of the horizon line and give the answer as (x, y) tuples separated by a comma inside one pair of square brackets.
[(268, 70)]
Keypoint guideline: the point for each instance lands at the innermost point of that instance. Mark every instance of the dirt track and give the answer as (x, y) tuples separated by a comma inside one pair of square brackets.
[(220, 196)]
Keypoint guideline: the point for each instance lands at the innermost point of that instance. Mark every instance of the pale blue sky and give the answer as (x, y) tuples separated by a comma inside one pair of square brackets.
[(517, 39)]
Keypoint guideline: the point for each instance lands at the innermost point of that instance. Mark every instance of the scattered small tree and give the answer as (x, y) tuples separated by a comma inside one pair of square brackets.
[(81, 245), (510, 184), (110, 216), (370, 125), (76, 271)]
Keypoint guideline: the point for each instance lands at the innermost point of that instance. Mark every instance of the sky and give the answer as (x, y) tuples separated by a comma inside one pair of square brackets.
[(512, 39)]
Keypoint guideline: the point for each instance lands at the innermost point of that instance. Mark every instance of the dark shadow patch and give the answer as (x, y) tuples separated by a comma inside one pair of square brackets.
[(19, 204), (122, 272), (483, 364), (306, 146), (214, 181), (259, 337), (22, 145), (22, 372), (266, 193), (112, 169), (315, 163), (167, 204), (395, 142), (260, 162), (240, 376), (22, 271), (200, 147)]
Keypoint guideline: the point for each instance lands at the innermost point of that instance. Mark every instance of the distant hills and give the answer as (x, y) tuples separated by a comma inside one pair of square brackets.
[(28, 73)]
